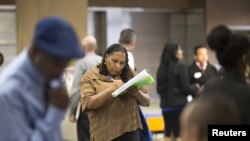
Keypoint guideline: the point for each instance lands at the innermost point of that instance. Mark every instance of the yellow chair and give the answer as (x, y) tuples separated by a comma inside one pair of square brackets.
[(155, 124)]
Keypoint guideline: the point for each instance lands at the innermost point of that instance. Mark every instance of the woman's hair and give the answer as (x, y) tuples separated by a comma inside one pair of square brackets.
[(164, 72), (229, 47), (126, 73)]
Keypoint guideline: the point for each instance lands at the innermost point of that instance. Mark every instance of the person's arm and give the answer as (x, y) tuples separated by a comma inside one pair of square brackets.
[(91, 100), (185, 83), (79, 71), (142, 97), (140, 94), (215, 71), (74, 100), (191, 73), (18, 123), (99, 99)]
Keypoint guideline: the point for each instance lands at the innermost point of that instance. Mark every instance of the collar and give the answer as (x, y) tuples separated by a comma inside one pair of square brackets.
[(199, 65), (96, 75), (32, 70), (90, 53)]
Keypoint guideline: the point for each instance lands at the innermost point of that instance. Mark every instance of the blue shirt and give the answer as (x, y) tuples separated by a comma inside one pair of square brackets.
[(24, 114)]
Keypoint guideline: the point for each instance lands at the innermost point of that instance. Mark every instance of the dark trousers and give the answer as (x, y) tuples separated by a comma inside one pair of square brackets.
[(171, 120), (83, 128), (129, 136)]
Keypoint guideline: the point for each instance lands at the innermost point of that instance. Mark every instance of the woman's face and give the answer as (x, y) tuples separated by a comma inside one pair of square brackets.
[(179, 54), (115, 62)]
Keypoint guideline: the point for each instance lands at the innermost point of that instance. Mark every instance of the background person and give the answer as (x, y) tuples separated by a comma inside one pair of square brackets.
[(233, 53), (112, 118), (205, 111), (128, 40), (33, 100), (83, 65), (173, 86), (200, 71)]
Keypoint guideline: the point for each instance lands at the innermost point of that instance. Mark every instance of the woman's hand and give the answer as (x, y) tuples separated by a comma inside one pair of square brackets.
[(133, 91), (99, 99), (116, 84)]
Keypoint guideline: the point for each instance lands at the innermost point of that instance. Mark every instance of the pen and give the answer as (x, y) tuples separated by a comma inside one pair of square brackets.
[(110, 78)]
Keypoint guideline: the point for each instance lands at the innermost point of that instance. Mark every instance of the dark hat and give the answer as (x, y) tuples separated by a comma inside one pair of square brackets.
[(55, 36)]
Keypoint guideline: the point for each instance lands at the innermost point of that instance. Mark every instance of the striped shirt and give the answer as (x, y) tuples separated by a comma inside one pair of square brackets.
[(115, 117)]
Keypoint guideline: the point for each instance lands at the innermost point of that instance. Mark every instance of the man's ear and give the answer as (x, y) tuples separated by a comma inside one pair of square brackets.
[(33, 51)]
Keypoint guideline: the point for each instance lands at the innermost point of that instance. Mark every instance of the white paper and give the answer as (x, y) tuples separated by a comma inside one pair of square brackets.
[(139, 77)]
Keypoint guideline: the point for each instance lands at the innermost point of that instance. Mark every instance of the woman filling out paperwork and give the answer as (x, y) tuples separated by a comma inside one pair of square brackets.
[(112, 118)]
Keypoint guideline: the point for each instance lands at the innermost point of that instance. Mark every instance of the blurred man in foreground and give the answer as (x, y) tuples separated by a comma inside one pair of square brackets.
[(204, 111), (33, 98)]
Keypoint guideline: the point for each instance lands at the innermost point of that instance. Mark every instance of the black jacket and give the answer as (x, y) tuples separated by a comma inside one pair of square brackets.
[(180, 88), (232, 86), (209, 73)]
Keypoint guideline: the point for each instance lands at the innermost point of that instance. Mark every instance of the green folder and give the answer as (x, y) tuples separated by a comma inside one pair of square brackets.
[(141, 79)]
